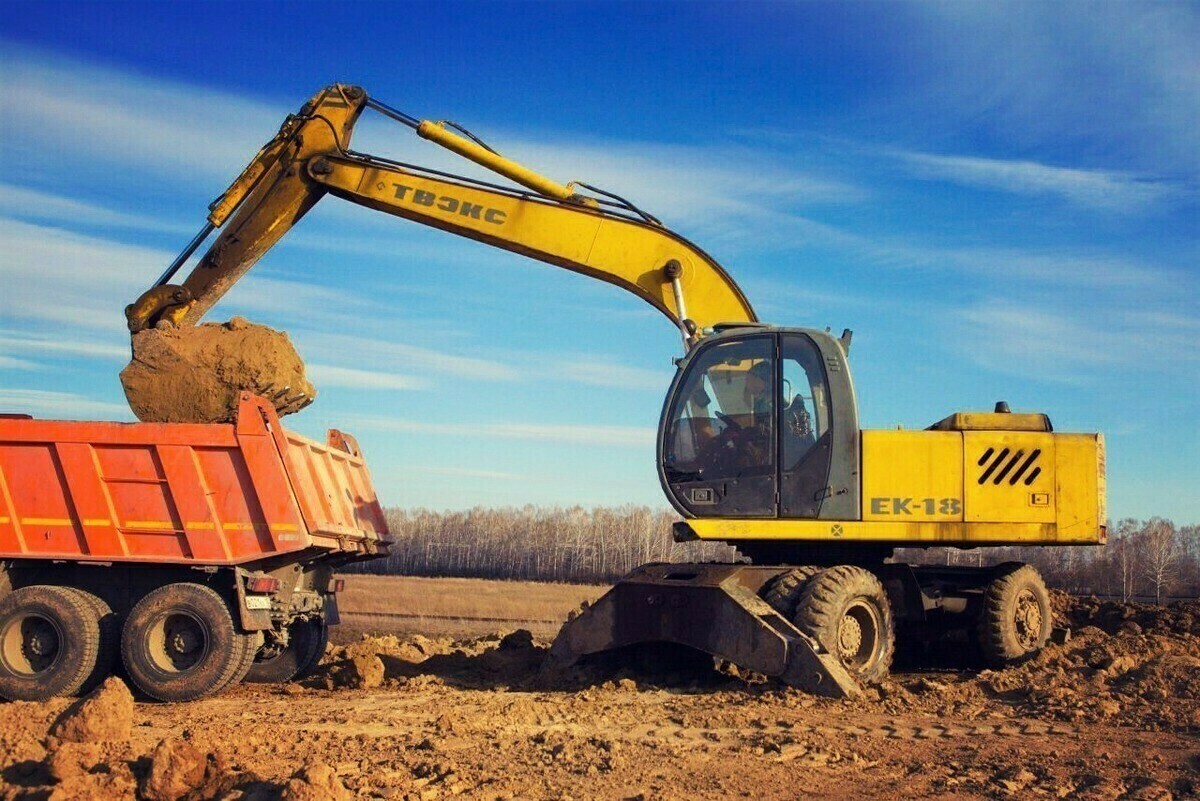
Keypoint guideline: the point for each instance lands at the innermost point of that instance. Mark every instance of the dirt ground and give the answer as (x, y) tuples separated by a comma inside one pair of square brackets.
[(1114, 713)]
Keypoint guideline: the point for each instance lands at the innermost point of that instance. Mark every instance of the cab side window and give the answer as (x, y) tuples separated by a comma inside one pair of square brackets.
[(803, 402)]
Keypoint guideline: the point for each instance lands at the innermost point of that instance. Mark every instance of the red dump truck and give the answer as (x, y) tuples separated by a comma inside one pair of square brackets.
[(202, 554)]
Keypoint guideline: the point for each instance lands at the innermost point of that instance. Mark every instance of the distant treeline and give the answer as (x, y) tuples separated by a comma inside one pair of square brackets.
[(1152, 558), (536, 543)]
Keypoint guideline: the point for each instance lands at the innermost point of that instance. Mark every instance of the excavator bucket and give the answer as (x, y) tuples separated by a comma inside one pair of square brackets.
[(713, 608)]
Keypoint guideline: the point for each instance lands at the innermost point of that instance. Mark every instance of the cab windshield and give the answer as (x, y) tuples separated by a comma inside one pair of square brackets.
[(723, 425)]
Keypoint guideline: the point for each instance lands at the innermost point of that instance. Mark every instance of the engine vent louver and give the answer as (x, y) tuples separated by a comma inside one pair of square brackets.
[(1000, 466)]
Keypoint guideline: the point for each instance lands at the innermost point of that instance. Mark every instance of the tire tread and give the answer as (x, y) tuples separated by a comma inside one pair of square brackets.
[(821, 604)]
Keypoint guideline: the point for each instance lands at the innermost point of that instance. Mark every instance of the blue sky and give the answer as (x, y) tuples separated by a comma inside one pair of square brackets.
[(1000, 199)]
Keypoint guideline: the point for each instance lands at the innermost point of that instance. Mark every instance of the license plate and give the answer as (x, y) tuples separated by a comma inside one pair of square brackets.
[(258, 602)]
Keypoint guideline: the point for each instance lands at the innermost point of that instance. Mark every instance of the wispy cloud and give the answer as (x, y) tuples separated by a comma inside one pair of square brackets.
[(32, 205), (610, 374), (91, 116), (598, 435), (1071, 345), (10, 363), (387, 356), (65, 405), (1118, 82), (1098, 189), (54, 275), (328, 375), (14, 342)]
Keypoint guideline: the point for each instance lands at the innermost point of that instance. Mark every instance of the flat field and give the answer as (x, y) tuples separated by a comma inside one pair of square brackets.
[(456, 607), (398, 710)]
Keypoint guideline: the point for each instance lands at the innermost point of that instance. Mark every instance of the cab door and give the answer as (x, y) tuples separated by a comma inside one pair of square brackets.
[(805, 428)]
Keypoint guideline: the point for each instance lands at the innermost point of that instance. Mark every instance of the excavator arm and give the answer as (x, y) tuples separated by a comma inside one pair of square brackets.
[(310, 157)]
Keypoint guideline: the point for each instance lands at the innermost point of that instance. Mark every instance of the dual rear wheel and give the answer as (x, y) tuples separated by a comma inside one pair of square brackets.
[(52, 642), (178, 643)]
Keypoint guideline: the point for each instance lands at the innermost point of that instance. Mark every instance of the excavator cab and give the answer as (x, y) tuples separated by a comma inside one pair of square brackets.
[(761, 422)]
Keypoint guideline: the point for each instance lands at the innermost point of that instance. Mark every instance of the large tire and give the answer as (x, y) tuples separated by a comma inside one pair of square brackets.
[(783, 592), (306, 645), (179, 643), (308, 668), (1016, 618), (249, 647), (846, 610), (49, 640), (110, 639)]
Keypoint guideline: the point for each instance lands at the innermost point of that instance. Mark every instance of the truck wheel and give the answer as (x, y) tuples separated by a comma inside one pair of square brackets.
[(308, 668), (250, 645), (110, 638), (1016, 617), (179, 643), (846, 610), (783, 592), (49, 639), (306, 645)]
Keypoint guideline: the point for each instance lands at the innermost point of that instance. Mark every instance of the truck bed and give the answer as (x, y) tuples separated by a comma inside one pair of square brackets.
[(223, 494)]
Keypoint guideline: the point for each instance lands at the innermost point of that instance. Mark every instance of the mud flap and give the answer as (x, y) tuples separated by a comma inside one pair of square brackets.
[(714, 608)]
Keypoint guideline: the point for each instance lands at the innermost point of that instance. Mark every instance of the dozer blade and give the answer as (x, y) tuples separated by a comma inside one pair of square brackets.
[(713, 608)]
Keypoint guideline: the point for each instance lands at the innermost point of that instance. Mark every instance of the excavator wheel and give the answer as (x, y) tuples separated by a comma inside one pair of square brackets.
[(1016, 617), (179, 643), (846, 610), (783, 592), (49, 641)]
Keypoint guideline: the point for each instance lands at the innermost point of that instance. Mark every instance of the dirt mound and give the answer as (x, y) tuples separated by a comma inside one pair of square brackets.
[(105, 715), (512, 659), (196, 374), (1181, 618)]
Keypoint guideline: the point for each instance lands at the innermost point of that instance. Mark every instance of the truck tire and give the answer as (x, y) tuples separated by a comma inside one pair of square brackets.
[(49, 640), (249, 647), (1016, 618), (306, 645), (110, 639), (846, 610), (318, 654), (179, 643), (783, 592)]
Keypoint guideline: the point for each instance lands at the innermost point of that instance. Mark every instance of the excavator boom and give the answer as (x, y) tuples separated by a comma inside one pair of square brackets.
[(310, 157)]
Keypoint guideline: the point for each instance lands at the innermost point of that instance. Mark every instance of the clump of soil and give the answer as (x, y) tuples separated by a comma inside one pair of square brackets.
[(179, 770), (103, 716), (316, 782), (197, 374), (362, 670)]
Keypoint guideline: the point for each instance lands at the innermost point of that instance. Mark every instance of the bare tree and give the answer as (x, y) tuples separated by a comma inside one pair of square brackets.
[(1160, 546), (1125, 556)]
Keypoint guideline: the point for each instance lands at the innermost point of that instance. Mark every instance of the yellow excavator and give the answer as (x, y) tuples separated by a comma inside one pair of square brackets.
[(759, 443)]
